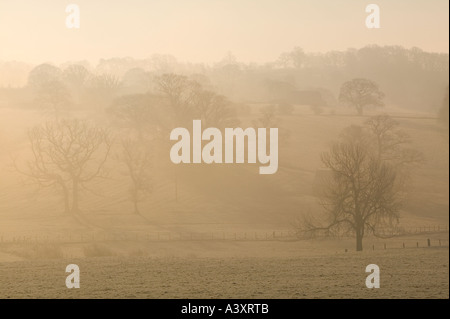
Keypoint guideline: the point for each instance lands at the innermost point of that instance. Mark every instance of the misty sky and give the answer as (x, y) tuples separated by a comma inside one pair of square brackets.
[(205, 30)]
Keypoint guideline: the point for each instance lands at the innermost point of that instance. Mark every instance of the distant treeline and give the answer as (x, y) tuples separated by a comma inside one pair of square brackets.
[(410, 78)]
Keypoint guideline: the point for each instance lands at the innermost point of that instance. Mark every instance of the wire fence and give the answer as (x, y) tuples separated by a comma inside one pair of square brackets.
[(273, 235)]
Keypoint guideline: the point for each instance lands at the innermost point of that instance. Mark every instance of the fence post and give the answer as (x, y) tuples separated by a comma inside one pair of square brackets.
[(429, 242), (417, 244), (403, 245)]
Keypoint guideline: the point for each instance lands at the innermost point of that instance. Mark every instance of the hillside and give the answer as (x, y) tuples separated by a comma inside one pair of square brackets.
[(217, 197)]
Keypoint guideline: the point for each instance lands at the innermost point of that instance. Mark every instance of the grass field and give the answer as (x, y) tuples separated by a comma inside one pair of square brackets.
[(404, 273), (217, 200), (320, 268)]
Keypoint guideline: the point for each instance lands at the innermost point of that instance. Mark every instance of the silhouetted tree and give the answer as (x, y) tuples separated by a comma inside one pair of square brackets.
[(103, 89), (296, 58), (390, 142), (362, 193), (67, 154), (361, 93), (43, 74), (138, 161), (268, 117), (76, 75), (178, 90), (53, 98), (213, 109)]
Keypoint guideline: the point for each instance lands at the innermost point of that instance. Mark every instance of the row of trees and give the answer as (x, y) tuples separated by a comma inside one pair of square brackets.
[(410, 78), (69, 153), (55, 91)]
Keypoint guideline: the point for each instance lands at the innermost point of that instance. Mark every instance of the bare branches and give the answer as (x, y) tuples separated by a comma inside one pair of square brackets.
[(138, 159), (361, 93), (67, 154), (363, 193), (389, 142)]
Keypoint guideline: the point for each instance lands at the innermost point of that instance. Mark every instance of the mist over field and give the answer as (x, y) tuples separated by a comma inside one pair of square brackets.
[(362, 174)]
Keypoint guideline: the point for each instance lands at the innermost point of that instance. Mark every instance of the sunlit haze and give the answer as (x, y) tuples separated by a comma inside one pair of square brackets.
[(205, 30)]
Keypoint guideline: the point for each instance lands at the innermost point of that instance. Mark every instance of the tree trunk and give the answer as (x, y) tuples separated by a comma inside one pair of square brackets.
[(359, 241), (75, 207), (65, 196), (66, 199)]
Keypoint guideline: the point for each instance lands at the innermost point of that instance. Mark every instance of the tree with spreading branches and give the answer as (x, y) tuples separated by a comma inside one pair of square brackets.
[(364, 188), (361, 93), (137, 158), (67, 154)]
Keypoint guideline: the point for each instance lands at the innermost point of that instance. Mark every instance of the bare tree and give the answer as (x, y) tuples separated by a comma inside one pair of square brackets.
[(53, 98), (136, 112), (178, 90), (390, 142), (102, 89), (213, 109), (67, 154), (76, 75), (138, 161), (361, 93), (296, 59), (362, 193), (268, 117)]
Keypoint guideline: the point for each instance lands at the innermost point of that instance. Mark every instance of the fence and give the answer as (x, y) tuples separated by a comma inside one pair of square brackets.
[(192, 236), (149, 236)]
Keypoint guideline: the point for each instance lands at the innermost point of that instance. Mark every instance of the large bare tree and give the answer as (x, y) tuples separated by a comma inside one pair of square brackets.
[(178, 90), (391, 143), (361, 194), (137, 158), (361, 93), (67, 154)]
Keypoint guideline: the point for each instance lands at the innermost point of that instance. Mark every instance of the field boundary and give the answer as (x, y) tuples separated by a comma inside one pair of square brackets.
[(275, 235)]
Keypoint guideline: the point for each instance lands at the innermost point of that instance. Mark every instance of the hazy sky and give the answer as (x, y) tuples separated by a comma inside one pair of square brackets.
[(205, 30)]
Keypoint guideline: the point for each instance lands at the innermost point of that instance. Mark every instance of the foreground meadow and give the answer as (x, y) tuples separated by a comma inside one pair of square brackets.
[(404, 273)]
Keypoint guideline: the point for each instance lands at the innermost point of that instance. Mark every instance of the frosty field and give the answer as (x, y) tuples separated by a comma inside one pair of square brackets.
[(404, 273)]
